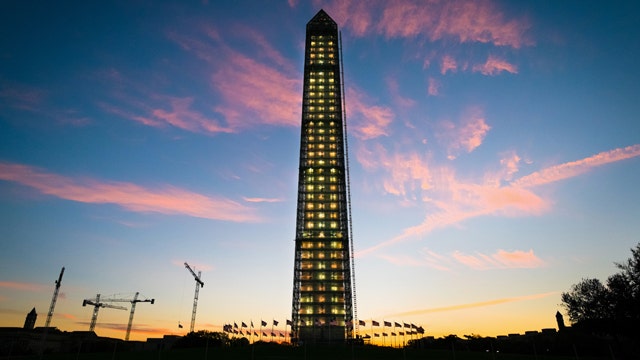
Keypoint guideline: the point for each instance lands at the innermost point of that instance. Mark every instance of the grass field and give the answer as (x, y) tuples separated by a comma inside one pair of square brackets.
[(269, 352)]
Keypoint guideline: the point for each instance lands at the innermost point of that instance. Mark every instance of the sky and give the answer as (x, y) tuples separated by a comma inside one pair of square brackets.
[(494, 152)]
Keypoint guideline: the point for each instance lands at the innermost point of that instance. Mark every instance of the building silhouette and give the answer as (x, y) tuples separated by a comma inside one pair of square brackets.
[(323, 295), (560, 321), (30, 320)]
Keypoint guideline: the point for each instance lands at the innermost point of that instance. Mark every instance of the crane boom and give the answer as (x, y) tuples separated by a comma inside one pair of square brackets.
[(54, 299), (133, 302), (96, 306), (199, 284)]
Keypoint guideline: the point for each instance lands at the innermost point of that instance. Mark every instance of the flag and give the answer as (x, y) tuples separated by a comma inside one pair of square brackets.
[(387, 323), (384, 334), (281, 335), (367, 336), (179, 325), (272, 334), (263, 334), (396, 324), (263, 323), (251, 323), (362, 323), (393, 334), (420, 330), (401, 333), (376, 335), (235, 326), (289, 322), (406, 325), (255, 333), (413, 326), (275, 323), (375, 323), (243, 324)]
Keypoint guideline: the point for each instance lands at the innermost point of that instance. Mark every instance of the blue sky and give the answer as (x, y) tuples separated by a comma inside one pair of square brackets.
[(493, 150)]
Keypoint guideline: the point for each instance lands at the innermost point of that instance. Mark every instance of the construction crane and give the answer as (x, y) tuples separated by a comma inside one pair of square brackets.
[(54, 299), (133, 302), (199, 284), (96, 306)]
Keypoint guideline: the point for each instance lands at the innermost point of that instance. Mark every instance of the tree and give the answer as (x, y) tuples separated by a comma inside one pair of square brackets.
[(618, 300), (587, 300)]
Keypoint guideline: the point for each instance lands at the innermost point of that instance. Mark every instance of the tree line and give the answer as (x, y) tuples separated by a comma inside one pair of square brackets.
[(611, 307)]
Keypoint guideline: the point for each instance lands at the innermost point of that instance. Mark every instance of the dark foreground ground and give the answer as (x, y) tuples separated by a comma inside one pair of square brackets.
[(306, 353)]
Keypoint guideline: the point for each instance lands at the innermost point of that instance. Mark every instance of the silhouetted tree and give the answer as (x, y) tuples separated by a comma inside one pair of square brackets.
[(587, 300), (203, 338), (617, 301)]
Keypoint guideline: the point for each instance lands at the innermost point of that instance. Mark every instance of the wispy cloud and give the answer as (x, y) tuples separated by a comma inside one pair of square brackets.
[(22, 286), (164, 200), (261, 88), (451, 200), (466, 135), (501, 259), (367, 121), (194, 265), (474, 305), (143, 329), (464, 21), (262, 200), (494, 66), (405, 175), (184, 117), (574, 168), (434, 87), (246, 89), (448, 63), (254, 90), (21, 97)]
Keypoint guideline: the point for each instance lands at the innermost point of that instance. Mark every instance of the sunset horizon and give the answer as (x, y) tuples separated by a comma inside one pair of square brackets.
[(493, 156)]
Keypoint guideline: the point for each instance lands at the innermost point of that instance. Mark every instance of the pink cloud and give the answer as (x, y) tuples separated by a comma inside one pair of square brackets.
[(451, 201), (425, 258), (22, 97), (366, 121), (166, 200), (21, 285), (463, 21), (574, 168), (500, 260), (183, 117), (256, 93), (474, 305), (406, 174), (355, 15), (399, 100), (510, 163), (434, 87), (261, 200), (494, 66), (448, 64), (195, 266), (465, 136)]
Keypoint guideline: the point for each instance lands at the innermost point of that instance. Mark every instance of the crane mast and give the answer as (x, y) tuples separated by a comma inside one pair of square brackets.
[(54, 299), (199, 284)]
